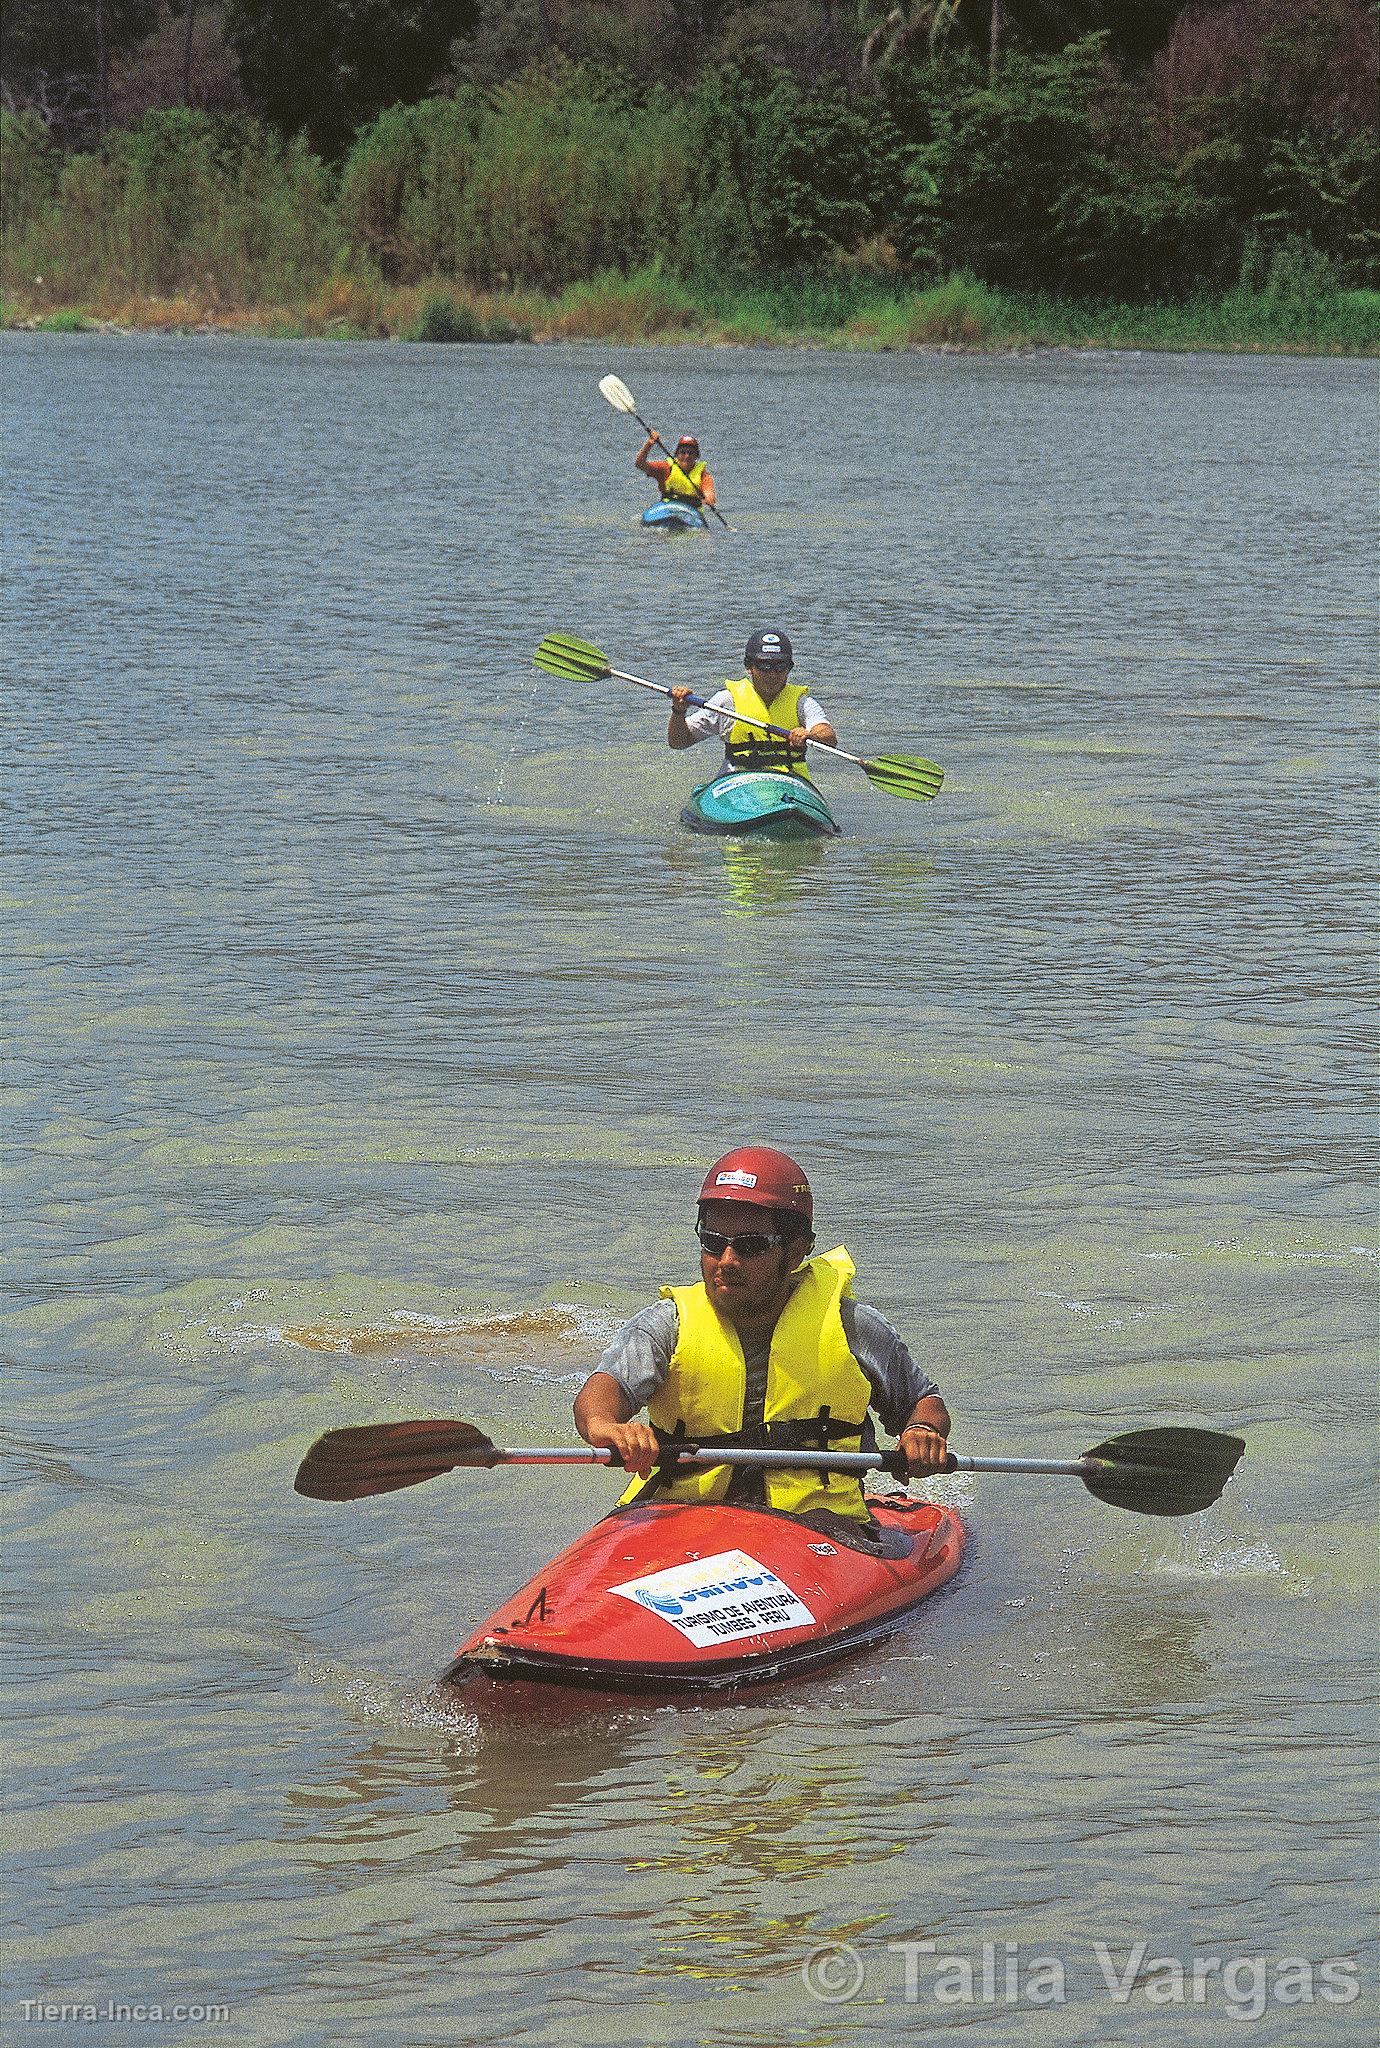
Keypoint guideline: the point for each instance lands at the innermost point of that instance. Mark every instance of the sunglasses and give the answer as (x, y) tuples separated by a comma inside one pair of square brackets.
[(747, 1244)]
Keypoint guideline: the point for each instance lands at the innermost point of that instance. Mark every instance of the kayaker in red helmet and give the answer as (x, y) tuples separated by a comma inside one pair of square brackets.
[(766, 693), (683, 476), (769, 1348)]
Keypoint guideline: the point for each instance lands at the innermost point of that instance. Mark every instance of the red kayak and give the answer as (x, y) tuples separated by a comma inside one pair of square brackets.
[(672, 1598)]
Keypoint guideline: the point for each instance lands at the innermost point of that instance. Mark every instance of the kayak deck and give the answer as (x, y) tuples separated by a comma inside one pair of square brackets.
[(674, 518), (761, 802), (675, 1599)]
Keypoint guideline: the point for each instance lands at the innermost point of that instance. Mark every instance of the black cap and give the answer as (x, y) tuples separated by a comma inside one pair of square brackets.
[(766, 649)]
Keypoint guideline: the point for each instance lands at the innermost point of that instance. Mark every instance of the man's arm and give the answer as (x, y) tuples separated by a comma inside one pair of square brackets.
[(819, 727), (906, 1399), (679, 732), (925, 1439), (604, 1418), (642, 460)]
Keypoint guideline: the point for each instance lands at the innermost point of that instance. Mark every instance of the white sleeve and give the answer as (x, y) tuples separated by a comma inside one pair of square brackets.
[(811, 712), (709, 723)]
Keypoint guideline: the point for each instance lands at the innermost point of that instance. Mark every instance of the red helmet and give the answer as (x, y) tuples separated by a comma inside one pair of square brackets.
[(687, 441), (764, 1178)]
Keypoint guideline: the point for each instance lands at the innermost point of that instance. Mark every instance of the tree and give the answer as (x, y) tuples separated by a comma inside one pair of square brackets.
[(184, 62), (1041, 177), (57, 58), (1266, 109), (989, 28), (328, 66)]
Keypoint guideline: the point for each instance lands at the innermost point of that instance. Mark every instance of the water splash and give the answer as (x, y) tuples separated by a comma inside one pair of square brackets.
[(519, 733), (1194, 1554), (1087, 1308), (1292, 1255), (368, 1697)]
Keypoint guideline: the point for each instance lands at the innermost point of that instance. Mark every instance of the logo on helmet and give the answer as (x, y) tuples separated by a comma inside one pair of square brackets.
[(767, 648), (736, 1179)]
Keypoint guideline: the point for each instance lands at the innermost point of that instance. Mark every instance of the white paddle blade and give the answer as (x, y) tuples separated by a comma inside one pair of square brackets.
[(617, 394)]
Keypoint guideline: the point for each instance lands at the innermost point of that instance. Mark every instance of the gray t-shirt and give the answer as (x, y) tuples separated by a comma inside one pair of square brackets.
[(640, 1357)]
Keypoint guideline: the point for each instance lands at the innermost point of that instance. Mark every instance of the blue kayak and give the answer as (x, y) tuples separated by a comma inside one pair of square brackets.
[(762, 803), (675, 515)]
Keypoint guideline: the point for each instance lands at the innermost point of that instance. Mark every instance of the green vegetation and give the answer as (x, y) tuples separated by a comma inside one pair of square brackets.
[(959, 313), (443, 317), (66, 320), (1219, 190)]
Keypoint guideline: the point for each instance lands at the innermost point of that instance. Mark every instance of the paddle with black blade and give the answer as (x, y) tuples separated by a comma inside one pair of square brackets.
[(622, 400), (1147, 1471), (577, 661)]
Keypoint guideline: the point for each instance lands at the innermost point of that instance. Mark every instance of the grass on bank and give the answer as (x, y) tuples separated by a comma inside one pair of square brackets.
[(833, 311)]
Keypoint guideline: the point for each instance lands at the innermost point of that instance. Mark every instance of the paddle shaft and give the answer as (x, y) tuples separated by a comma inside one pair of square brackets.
[(779, 732), (1156, 1471), (803, 1461)]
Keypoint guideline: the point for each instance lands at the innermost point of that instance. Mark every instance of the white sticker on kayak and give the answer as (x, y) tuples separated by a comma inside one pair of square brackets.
[(719, 1599)]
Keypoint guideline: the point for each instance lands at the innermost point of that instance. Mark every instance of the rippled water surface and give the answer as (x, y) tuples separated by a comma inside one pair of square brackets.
[(374, 1019)]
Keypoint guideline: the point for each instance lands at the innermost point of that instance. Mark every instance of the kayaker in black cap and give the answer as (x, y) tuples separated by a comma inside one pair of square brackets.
[(765, 693), (770, 1348), (684, 476)]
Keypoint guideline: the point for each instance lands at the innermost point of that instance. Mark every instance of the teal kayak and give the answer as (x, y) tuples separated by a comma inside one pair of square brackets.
[(762, 803), (675, 515)]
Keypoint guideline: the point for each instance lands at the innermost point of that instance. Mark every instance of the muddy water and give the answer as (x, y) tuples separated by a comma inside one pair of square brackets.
[(373, 1021)]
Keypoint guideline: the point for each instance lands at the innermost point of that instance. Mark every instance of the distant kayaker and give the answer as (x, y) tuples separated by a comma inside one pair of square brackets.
[(770, 1348), (685, 476), (764, 693)]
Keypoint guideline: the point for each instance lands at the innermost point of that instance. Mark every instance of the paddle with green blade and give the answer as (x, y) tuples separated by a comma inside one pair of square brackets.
[(577, 661), (1164, 1471), (622, 400)]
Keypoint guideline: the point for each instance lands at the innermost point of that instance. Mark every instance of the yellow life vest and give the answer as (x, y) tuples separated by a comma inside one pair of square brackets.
[(685, 483), (748, 748), (812, 1379)]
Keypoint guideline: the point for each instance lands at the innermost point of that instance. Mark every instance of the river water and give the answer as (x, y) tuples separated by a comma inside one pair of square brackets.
[(374, 1019)]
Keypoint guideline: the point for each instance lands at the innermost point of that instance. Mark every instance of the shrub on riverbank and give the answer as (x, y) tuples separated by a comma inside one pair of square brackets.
[(184, 201), (958, 313), (445, 318), (556, 177)]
